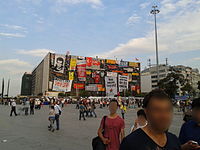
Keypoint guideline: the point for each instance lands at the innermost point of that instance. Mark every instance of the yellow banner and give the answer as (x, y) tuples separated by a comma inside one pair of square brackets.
[(71, 75), (135, 74), (134, 64), (73, 63), (109, 61), (88, 72)]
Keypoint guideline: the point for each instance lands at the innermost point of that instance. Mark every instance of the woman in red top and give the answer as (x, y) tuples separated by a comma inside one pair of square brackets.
[(114, 128)]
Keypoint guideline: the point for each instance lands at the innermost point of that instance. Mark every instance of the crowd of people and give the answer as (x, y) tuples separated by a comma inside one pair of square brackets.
[(150, 130)]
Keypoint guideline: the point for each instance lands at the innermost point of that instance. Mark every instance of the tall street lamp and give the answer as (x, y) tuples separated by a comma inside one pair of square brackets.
[(155, 11)]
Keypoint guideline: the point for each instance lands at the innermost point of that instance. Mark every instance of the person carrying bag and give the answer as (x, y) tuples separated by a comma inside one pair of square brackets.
[(97, 143)]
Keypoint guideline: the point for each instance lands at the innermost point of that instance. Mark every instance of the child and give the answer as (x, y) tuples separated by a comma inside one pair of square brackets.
[(51, 118)]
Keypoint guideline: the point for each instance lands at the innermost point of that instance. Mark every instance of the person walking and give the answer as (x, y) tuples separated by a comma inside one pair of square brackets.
[(93, 107), (58, 112), (32, 105), (51, 119), (13, 107), (82, 111), (113, 132), (123, 109)]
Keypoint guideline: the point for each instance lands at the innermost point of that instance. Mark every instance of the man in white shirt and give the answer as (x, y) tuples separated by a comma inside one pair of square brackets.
[(13, 107), (57, 114)]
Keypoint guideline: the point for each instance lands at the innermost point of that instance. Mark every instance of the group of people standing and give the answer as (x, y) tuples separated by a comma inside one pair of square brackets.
[(86, 109), (151, 128)]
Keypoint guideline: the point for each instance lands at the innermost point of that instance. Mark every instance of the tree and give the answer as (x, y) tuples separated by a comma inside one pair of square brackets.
[(40, 94), (187, 89), (198, 85), (61, 94), (84, 93), (170, 83)]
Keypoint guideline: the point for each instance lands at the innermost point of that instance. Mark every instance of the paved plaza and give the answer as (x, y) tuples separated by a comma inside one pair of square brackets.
[(30, 132)]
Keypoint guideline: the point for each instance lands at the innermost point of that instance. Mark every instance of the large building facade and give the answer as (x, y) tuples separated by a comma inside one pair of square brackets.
[(26, 84), (149, 77), (75, 74)]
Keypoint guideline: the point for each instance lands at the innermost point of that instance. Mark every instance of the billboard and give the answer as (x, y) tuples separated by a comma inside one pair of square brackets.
[(59, 63), (81, 70), (122, 83), (111, 85), (79, 85), (62, 85), (73, 61)]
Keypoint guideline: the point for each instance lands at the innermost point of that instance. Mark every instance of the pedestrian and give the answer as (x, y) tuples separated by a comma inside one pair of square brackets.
[(190, 131), (93, 107), (141, 120), (114, 128), (82, 111), (52, 119), (123, 109), (58, 112), (13, 107), (158, 108), (26, 107), (32, 105)]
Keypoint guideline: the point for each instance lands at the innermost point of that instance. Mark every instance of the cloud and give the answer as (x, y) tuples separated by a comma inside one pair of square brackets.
[(35, 52), (133, 19), (144, 5), (17, 35), (14, 62), (92, 2), (196, 59), (178, 32), (14, 27), (60, 4)]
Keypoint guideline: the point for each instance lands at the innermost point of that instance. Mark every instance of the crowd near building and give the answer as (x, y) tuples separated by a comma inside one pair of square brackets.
[(58, 73)]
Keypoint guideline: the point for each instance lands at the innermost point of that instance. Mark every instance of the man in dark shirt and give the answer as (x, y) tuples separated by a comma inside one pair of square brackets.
[(190, 131), (159, 111)]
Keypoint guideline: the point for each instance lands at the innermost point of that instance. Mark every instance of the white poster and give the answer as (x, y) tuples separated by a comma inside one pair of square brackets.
[(123, 83), (112, 74), (111, 86), (62, 85), (59, 63)]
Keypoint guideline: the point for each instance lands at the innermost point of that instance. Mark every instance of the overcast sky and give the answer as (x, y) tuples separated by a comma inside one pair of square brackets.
[(124, 29)]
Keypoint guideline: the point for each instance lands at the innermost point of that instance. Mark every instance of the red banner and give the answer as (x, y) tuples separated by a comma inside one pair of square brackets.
[(79, 85), (112, 67), (81, 70), (89, 61)]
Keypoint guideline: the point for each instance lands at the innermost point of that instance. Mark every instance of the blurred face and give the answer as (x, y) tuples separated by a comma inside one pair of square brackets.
[(196, 114), (113, 107), (159, 114)]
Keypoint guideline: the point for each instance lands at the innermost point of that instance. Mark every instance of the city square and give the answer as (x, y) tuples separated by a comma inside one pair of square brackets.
[(31, 132), (100, 75)]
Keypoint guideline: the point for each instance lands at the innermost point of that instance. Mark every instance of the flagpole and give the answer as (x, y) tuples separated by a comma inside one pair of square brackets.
[(8, 87), (2, 89)]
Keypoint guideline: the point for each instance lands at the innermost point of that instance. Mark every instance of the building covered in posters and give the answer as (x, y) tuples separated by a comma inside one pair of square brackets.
[(75, 74)]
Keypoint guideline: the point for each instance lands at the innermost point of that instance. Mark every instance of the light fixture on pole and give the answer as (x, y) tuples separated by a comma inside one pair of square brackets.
[(155, 11)]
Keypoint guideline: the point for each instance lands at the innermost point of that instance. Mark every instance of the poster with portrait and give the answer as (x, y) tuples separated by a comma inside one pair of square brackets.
[(59, 63)]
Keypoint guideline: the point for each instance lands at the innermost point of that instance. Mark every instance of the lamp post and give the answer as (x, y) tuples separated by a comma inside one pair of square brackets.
[(155, 11)]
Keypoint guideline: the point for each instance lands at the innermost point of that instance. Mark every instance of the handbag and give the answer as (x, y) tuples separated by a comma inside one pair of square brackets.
[(97, 143)]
